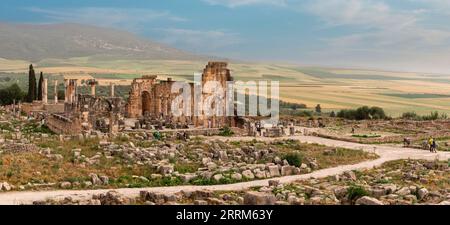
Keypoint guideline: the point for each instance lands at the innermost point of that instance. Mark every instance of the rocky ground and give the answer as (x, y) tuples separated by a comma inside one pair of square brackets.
[(31, 158), (402, 182)]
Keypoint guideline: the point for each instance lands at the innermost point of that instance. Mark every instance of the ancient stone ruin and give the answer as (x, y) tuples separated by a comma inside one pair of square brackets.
[(149, 106), (152, 99)]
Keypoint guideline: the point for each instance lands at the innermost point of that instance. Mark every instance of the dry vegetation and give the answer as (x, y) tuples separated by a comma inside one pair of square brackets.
[(334, 89)]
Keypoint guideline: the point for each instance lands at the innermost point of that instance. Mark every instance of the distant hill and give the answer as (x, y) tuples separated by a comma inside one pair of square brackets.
[(37, 42)]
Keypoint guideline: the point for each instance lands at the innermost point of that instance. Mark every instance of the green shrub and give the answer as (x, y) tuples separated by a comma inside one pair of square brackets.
[(362, 113), (432, 116), (366, 135), (186, 167), (36, 128), (226, 132), (354, 192), (409, 115), (294, 159)]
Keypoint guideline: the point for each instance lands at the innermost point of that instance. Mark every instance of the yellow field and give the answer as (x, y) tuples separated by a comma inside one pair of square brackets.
[(333, 88)]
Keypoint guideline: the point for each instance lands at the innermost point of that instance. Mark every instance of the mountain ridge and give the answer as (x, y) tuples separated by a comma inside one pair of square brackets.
[(66, 40)]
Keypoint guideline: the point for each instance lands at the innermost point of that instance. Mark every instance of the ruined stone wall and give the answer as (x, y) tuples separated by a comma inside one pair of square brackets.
[(63, 125), (54, 108), (139, 87), (218, 72), (154, 99)]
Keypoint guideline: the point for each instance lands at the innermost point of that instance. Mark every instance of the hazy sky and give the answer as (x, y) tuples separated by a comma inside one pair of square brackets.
[(410, 35)]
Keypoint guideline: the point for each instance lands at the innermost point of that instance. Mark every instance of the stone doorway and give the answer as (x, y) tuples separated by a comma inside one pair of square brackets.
[(146, 106)]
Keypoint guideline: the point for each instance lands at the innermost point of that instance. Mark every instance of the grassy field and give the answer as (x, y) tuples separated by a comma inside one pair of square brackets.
[(333, 88)]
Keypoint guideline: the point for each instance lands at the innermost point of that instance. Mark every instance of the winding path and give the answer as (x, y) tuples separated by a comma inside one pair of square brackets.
[(386, 153)]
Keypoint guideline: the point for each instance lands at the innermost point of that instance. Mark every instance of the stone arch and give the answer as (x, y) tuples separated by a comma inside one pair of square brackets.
[(146, 102)]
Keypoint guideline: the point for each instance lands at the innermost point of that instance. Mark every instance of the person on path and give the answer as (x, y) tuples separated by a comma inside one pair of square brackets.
[(434, 148), (430, 144)]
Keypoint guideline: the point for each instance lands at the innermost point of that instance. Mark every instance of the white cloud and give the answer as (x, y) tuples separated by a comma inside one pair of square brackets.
[(378, 32), (237, 3), (359, 12), (200, 40)]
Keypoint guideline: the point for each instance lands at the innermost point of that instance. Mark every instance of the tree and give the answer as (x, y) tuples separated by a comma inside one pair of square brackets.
[(362, 113), (318, 108), (39, 90), (8, 95), (31, 85), (332, 114), (61, 94)]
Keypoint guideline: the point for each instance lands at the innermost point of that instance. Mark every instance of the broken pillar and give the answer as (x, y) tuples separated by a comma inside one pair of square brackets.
[(113, 126), (44, 91), (93, 89), (70, 90), (56, 92), (111, 85), (66, 91)]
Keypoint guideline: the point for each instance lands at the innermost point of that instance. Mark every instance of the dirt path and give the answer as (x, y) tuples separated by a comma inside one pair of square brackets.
[(386, 153)]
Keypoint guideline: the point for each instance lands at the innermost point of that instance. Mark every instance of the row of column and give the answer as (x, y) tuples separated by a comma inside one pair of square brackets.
[(70, 90)]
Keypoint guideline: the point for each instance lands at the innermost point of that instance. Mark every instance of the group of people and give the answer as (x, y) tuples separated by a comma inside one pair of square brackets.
[(429, 144), (432, 145)]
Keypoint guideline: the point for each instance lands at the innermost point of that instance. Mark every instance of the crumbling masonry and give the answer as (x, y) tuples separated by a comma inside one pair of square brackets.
[(149, 105), (152, 99)]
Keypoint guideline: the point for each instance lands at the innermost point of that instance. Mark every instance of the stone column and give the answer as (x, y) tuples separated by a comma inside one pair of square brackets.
[(75, 90), (93, 89), (66, 91), (111, 86), (56, 92), (44, 91)]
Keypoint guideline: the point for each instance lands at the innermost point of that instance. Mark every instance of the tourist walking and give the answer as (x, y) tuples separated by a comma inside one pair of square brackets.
[(434, 148), (430, 144)]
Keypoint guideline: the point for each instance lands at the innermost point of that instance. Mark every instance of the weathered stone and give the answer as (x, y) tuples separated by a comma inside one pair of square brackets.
[(200, 202), (287, 170), (155, 176), (389, 188), (114, 198), (411, 198), (187, 177), (201, 195), (377, 192), (274, 183), (274, 171), (281, 203), (105, 180), (170, 198), (236, 176), (223, 155), (218, 177), (95, 179), (5, 186), (248, 174), (211, 166), (260, 174), (422, 193), (317, 200), (403, 191), (259, 198), (368, 201), (350, 175), (65, 185), (87, 183), (340, 192), (165, 169), (205, 161), (314, 165)]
